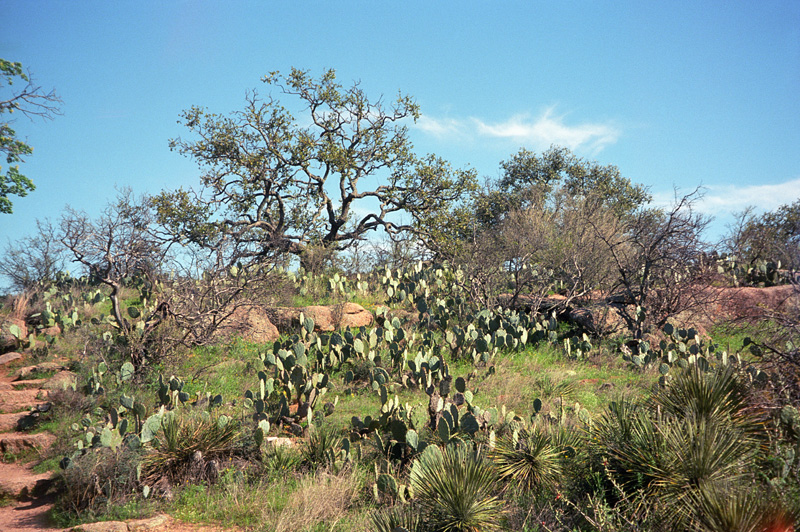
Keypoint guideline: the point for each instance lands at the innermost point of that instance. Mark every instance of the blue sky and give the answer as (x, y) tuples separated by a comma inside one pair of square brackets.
[(676, 94)]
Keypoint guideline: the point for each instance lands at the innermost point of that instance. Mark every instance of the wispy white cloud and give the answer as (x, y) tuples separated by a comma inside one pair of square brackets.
[(536, 132), (720, 200)]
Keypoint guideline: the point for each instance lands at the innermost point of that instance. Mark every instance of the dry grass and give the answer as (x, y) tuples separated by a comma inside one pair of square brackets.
[(320, 498), (19, 305)]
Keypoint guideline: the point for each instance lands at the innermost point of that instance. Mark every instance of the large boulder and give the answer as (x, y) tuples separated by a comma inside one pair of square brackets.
[(326, 318), (251, 323)]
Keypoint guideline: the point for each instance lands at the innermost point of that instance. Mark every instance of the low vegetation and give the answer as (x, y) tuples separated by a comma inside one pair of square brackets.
[(545, 362)]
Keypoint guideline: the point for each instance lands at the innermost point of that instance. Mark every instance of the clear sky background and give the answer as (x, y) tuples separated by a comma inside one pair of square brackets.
[(676, 94)]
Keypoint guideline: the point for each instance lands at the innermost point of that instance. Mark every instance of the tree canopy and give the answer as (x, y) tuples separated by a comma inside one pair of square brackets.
[(272, 182), (30, 101), (772, 236), (531, 180)]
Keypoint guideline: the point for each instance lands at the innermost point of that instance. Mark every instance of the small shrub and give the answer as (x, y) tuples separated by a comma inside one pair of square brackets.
[(321, 446), (321, 498), (99, 480), (281, 460), (405, 517)]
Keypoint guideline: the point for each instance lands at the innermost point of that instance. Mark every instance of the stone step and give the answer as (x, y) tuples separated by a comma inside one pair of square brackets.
[(27, 385), (19, 482), (159, 522), (8, 422), (17, 442), (8, 358), (24, 372), (17, 400)]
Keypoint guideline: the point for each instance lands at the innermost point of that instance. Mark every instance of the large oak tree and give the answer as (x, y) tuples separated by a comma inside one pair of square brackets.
[(272, 182)]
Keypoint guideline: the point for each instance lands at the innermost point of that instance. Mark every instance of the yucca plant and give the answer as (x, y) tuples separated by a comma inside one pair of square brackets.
[(454, 488), (716, 394), (626, 438), (728, 508), (282, 460), (321, 446), (181, 436), (694, 435), (530, 460), (400, 518)]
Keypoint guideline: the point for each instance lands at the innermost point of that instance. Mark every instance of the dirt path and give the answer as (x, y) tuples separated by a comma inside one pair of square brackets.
[(19, 484), (26, 490)]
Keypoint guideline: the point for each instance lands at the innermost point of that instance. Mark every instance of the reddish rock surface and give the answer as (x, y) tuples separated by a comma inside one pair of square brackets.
[(252, 323), (326, 318)]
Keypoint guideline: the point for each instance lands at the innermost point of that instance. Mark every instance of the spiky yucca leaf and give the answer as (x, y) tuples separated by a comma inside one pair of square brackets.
[(720, 507), (531, 461), (707, 394), (181, 436), (404, 517), (455, 488)]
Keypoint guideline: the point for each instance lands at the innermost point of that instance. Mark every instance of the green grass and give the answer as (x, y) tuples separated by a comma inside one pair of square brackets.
[(228, 369)]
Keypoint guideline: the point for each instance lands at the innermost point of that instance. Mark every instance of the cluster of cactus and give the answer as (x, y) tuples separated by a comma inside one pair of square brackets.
[(96, 385), (336, 285), (428, 368), (289, 377), (491, 331), (683, 348), (171, 394), (766, 273), (61, 308), (786, 459), (435, 291), (761, 272), (577, 347), (126, 424), (387, 485)]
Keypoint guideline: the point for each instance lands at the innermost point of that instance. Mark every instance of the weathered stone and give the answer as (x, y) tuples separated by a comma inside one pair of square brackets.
[(326, 318), (18, 442), (141, 525), (7, 358), (18, 481), (597, 319), (102, 526), (16, 400), (24, 373), (278, 441), (61, 381), (28, 385), (7, 340), (251, 323), (8, 422), (55, 330)]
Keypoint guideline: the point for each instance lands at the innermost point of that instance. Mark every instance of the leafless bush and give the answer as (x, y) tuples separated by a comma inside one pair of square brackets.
[(655, 254), (33, 261), (204, 292), (115, 247)]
